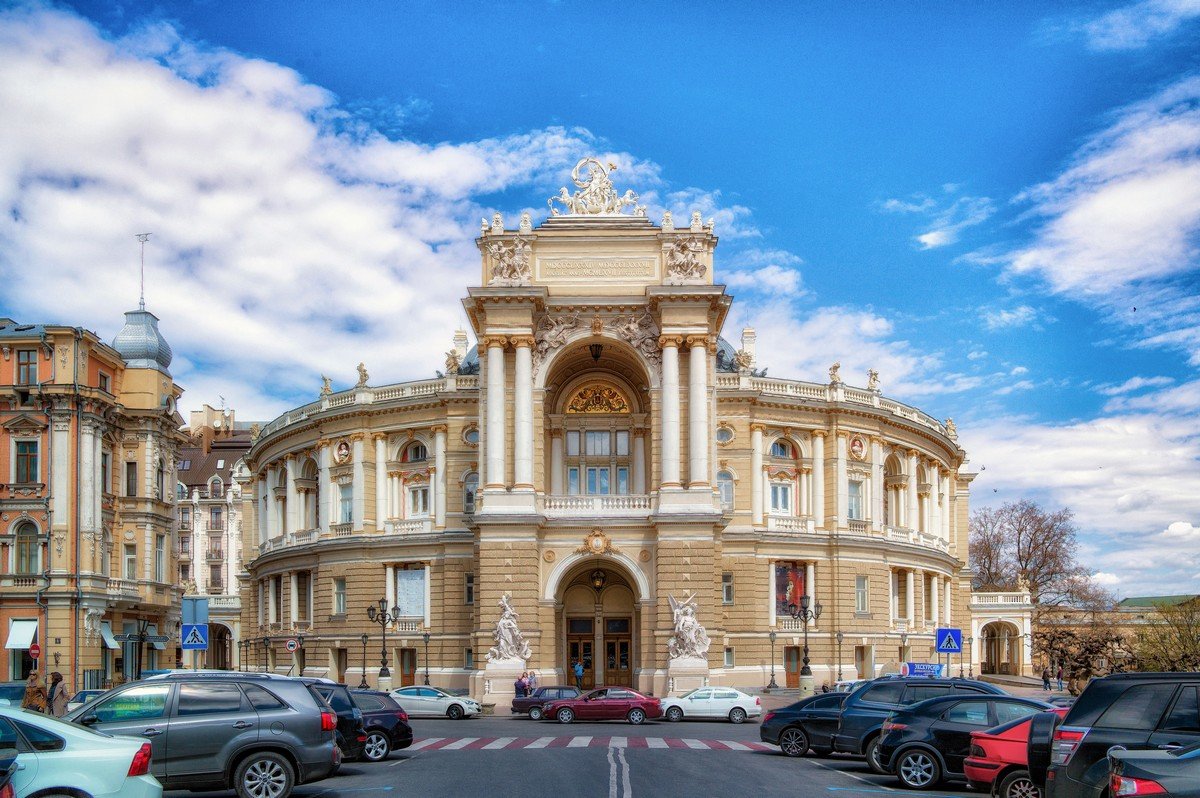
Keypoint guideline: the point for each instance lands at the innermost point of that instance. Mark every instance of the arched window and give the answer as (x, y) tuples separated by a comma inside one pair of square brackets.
[(725, 488), (28, 553), (215, 488), (470, 489), (782, 449), (415, 453)]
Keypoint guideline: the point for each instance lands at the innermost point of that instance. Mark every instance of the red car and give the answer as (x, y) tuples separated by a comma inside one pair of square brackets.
[(998, 760), (605, 703)]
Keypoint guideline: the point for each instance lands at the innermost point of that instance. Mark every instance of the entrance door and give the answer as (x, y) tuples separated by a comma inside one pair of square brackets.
[(340, 659), (408, 666), (791, 665), (579, 649), (618, 668)]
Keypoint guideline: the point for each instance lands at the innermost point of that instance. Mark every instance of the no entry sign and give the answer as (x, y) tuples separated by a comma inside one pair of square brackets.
[(35, 650)]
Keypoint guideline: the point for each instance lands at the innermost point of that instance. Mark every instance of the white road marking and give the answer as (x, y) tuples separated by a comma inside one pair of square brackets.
[(624, 773), (457, 744), (417, 746), (857, 777), (736, 746), (612, 774), (497, 744), (541, 742), (656, 742), (579, 742), (695, 744), (619, 742)]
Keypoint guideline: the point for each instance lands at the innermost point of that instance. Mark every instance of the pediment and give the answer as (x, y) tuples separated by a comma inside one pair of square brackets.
[(24, 424)]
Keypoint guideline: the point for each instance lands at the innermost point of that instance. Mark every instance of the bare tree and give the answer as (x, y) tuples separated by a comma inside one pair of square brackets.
[(1170, 640)]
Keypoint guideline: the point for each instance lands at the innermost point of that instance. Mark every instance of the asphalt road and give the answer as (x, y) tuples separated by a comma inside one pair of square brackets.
[(500, 757)]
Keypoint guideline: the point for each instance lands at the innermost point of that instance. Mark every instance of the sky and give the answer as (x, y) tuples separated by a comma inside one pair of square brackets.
[(995, 205)]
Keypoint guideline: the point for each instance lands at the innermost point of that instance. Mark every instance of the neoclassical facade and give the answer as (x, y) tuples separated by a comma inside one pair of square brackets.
[(606, 479)]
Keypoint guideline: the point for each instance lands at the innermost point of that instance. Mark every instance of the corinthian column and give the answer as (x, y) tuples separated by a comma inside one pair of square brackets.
[(756, 474), (913, 521), (293, 498), (381, 488), (523, 413), (494, 462), (670, 409), (818, 447), (697, 411), (439, 480)]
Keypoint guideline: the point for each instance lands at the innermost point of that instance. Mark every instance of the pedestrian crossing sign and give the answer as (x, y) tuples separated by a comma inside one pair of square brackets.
[(194, 637), (949, 641)]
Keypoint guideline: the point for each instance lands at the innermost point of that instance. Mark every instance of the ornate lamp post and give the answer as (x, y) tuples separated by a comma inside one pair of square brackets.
[(425, 637), (362, 685), (772, 685), (266, 654), (970, 660), (840, 637), (804, 614), (383, 617)]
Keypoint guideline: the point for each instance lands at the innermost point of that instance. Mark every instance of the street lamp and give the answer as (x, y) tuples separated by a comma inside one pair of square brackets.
[(383, 617), (840, 638), (362, 685), (772, 685), (804, 615), (425, 637), (970, 660), (266, 654)]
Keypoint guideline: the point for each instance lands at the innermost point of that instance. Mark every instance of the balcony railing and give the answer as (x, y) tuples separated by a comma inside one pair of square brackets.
[(410, 526), (408, 625), (1000, 599), (229, 603), (858, 527), (341, 530), (915, 537), (788, 624), (777, 522), (9, 580), (124, 588), (634, 505)]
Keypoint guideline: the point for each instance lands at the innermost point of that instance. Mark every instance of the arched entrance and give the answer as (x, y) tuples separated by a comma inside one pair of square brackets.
[(598, 620), (1001, 653), (220, 647)]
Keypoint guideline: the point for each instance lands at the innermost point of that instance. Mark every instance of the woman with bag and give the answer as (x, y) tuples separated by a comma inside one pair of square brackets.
[(35, 694)]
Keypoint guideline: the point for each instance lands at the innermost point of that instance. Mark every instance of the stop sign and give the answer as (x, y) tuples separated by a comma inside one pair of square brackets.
[(35, 650)]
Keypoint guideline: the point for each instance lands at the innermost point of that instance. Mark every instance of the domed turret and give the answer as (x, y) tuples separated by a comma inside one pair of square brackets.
[(141, 344)]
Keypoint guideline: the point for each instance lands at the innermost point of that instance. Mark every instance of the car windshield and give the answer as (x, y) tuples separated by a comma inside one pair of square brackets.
[(690, 693)]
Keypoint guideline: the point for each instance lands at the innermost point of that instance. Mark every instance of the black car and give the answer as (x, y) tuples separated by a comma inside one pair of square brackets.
[(927, 742), (1132, 710), (806, 725), (385, 722), (351, 733), (1175, 773), (867, 708)]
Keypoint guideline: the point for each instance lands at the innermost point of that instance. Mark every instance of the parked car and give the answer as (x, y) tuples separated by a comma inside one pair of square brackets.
[(206, 730), (849, 685), (8, 768), (807, 725), (1174, 773), (386, 724), (430, 702), (998, 762), (82, 697), (58, 758), (1132, 710), (12, 694), (605, 703), (711, 703), (531, 705), (927, 743), (867, 707), (351, 732)]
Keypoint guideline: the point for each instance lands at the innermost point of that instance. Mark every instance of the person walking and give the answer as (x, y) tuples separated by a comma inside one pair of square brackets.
[(59, 695), (577, 667), (1046, 678), (1059, 674), (35, 694)]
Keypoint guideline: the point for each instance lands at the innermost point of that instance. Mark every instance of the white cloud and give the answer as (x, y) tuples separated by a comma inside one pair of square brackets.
[(948, 222), (769, 271), (1001, 319), (1106, 580), (977, 354), (1134, 384), (729, 221), (1136, 25), (1018, 371)]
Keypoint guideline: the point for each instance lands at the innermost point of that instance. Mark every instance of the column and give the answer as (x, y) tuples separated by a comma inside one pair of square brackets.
[(294, 597), (272, 602), (428, 594), (805, 491), (293, 498), (935, 506), (910, 606), (272, 506), (389, 585), (87, 473), (358, 508), (818, 493), (523, 413), (919, 579), (261, 511), (325, 487), (810, 585), (947, 602), (935, 608), (440, 479), (381, 497), (639, 460), (893, 595), (946, 509), (494, 442), (878, 485), (756, 481), (913, 519), (670, 410), (842, 490), (556, 462), (698, 411), (771, 596)]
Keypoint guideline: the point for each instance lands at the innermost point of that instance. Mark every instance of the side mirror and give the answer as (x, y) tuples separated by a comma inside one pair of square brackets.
[(89, 720)]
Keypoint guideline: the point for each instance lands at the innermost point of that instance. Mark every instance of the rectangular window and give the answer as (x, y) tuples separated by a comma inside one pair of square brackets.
[(727, 588), (185, 544), (27, 367), (214, 518), (346, 504), (854, 507), (781, 498), (131, 479), (597, 481), (728, 657), (469, 590), (130, 570), (185, 517), (862, 592), (105, 473), (622, 443), (185, 572), (277, 591), (418, 502), (27, 461), (468, 658), (410, 593), (105, 382), (599, 444), (339, 596), (573, 443), (214, 578), (573, 481), (160, 558), (623, 481), (304, 595)]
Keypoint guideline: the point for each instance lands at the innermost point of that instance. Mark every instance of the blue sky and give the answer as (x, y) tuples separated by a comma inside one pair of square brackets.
[(972, 198)]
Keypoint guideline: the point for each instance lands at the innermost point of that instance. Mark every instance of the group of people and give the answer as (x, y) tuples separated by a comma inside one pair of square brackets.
[(525, 684), (52, 700), (1046, 678)]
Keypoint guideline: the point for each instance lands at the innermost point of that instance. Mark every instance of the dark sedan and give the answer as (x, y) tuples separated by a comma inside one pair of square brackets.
[(928, 742), (806, 725), (606, 703), (385, 722), (1175, 773), (531, 705)]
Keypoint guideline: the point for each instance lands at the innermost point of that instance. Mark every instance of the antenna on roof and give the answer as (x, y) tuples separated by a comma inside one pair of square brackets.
[(143, 238)]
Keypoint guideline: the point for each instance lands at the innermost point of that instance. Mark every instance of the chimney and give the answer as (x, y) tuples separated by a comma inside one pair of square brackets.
[(460, 344), (749, 338)]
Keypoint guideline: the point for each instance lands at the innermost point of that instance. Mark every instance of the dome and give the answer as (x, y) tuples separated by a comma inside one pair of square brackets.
[(140, 343)]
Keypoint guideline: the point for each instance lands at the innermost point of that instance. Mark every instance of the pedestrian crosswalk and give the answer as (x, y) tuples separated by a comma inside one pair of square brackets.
[(518, 743)]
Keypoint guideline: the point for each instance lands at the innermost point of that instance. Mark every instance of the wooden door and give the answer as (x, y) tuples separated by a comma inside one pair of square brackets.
[(579, 649), (791, 665), (341, 659), (618, 660), (408, 666)]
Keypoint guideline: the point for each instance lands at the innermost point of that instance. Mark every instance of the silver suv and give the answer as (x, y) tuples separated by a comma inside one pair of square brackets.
[(257, 733)]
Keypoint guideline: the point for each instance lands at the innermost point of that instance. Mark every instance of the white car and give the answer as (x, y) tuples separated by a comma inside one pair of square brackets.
[(712, 702), (431, 702), (54, 757)]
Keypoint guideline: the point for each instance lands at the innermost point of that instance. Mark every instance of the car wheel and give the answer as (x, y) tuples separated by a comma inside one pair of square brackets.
[(377, 747), (264, 775), (565, 715), (636, 716), (918, 770), (793, 742), (674, 714), (872, 754), (535, 713), (737, 715), (1019, 784), (455, 712)]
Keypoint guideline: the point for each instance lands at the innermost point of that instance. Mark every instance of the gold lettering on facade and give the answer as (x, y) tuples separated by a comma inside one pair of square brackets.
[(612, 268)]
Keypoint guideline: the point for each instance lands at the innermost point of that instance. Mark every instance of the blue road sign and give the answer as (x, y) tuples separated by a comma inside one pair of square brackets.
[(195, 609), (949, 641), (195, 637)]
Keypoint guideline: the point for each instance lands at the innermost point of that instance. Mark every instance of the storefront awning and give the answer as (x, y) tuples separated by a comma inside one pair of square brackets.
[(152, 629), (21, 634), (106, 633)]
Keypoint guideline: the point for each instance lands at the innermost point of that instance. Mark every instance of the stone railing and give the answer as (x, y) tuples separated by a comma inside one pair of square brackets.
[(305, 536), (905, 535), (226, 603), (124, 587), (407, 625), (900, 624), (341, 530), (9, 580), (858, 527), (410, 526), (1000, 599), (790, 523), (616, 506), (789, 624)]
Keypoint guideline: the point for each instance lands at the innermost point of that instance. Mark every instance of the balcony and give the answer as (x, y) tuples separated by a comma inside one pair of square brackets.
[(216, 555), (305, 536), (408, 625), (857, 527), (612, 506), (10, 580), (231, 603), (915, 537), (802, 524), (341, 530), (410, 526), (1016, 600), (124, 588), (787, 624)]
